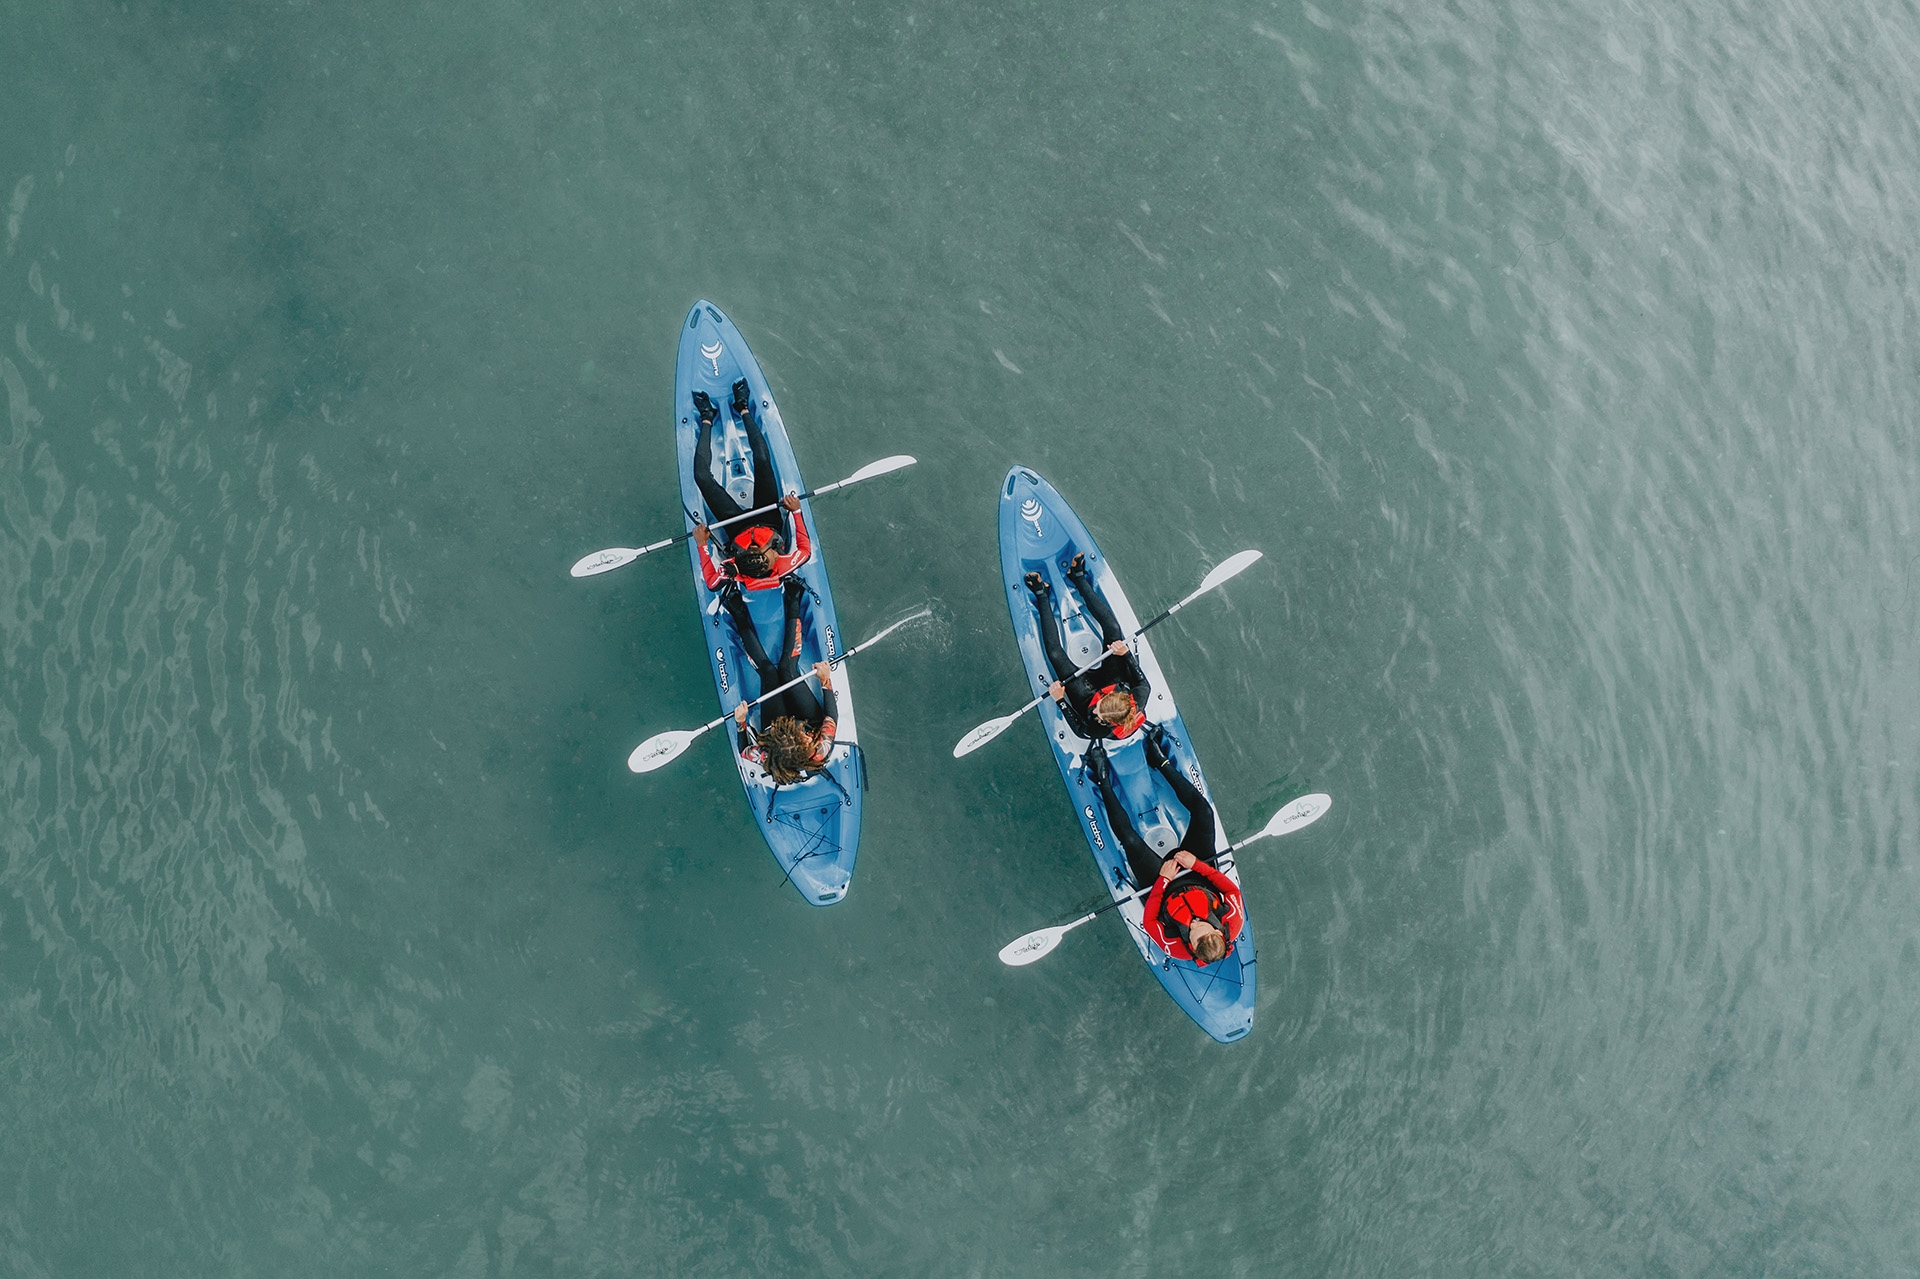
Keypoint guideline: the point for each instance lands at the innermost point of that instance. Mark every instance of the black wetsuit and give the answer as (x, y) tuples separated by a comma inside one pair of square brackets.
[(766, 485), (1123, 672), (1142, 860), (799, 701)]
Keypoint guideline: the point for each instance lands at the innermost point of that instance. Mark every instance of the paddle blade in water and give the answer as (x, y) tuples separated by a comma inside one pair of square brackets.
[(983, 734), (604, 561), (1298, 813), (1304, 811), (1035, 945), (1228, 569), (659, 749)]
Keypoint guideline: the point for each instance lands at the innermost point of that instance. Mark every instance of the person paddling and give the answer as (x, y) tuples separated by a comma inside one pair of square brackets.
[(1108, 702), (798, 728), (756, 551), (1193, 912)]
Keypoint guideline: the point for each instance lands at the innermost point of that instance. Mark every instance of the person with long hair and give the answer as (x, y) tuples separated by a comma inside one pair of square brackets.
[(1194, 911), (797, 728), (1109, 701), (756, 551)]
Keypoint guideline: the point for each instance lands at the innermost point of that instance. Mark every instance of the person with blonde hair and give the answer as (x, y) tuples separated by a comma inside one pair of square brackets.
[(1194, 911), (797, 727), (1108, 702)]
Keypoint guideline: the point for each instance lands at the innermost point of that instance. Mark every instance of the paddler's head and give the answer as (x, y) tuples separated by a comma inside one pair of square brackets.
[(1207, 943), (1114, 707), (755, 549), (789, 749)]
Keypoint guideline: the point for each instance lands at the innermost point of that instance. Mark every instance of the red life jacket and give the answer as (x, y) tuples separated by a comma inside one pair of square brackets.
[(1126, 727), (1181, 904)]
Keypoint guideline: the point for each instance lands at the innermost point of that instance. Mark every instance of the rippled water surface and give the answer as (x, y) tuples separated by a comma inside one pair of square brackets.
[(1560, 358)]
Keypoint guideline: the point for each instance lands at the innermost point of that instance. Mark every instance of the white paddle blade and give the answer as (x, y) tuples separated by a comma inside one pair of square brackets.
[(886, 465), (1304, 811), (981, 735), (659, 749), (1037, 945), (1298, 813), (1228, 569), (604, 561)]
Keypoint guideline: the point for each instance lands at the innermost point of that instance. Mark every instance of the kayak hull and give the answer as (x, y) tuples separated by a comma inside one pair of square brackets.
[(1039, 532), (812, 827)]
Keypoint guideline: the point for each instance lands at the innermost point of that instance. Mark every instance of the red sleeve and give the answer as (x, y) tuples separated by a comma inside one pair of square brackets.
[(802, 547), (709, 571), (1150, 912)]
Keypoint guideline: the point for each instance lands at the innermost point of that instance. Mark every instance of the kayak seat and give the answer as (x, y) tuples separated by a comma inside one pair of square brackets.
[(738, 466), (1157, 829)]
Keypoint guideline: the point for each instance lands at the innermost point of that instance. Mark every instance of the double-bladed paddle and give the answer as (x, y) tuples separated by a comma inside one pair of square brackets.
[(615, 556), (1304, 811), (664, 747), (1221, 574)]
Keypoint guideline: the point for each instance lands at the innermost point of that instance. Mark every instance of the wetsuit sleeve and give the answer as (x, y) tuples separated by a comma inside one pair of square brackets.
[(1150, 912), (829, 707), (1080, 721), (709, 571), (749, 745), (802, 548), (1137, 683)]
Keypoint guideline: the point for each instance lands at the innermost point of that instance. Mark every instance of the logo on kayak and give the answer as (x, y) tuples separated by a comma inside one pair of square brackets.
[(830, 650), (720, 657), (1030, 512), (711, 354), (1094, 826)]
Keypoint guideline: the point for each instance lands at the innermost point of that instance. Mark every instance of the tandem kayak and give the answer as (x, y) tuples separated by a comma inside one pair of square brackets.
[(812, 827), (1039, 533)]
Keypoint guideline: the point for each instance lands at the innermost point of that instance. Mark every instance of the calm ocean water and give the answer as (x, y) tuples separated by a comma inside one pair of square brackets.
[(1560, 359)]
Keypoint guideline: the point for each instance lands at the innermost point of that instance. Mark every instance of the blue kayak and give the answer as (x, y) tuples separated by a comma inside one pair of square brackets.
[(1039, 533), (812, 826)]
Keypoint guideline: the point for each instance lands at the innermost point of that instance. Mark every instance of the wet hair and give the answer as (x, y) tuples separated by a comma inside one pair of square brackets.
[(789, 749), (1114, 707), (756, 560), (1210, 948)]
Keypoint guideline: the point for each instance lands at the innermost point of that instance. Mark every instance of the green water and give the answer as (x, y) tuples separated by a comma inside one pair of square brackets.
[(1560, 359)]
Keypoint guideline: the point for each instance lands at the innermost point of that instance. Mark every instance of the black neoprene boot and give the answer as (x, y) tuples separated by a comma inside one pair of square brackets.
[(1155, 749), (703, 405), (742, 398), (1097, 764)]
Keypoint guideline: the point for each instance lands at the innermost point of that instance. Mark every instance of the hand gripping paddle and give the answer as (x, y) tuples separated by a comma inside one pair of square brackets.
[(1221, 574), (615, 556), (662, 748), (1304, 811)]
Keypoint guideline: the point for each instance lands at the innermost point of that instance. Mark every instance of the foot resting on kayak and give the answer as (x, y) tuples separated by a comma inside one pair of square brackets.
[(1193, 911), (755, 551), (1107, 702), (797, 730)]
